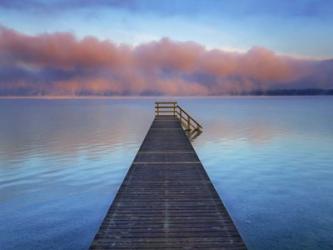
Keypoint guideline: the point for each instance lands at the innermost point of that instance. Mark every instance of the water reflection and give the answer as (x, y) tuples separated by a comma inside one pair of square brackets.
[(271, 161), (66, 128), (61, 163)]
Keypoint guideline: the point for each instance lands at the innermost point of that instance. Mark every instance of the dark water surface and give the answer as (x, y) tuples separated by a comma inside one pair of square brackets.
[(62, 161)]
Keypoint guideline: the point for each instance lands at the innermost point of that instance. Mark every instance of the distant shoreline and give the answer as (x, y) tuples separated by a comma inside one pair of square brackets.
[(277, 92)]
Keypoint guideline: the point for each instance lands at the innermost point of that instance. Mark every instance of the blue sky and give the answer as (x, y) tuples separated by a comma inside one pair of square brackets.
[(299, 27)]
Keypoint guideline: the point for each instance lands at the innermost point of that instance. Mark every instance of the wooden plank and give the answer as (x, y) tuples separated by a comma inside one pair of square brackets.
[(165, 107), (166, 200), (165, 102)]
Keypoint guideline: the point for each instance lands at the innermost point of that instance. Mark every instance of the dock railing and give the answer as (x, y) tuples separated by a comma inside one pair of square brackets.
[(172, 108)]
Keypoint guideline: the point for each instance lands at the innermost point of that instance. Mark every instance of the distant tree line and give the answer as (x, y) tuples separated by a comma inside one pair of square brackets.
[(271, 92), (288, 92)]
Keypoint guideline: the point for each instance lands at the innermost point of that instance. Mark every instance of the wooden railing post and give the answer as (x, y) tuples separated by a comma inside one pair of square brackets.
[(172, 108), (180, 116)]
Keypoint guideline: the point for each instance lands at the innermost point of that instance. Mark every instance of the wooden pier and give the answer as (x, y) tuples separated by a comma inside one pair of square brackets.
[(166, 200)]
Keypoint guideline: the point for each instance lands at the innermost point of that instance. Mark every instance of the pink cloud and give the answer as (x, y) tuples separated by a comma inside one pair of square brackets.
[(61, 63)]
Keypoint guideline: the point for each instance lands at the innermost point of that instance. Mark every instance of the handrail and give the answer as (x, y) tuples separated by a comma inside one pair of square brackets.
[(182, 110), (172, 108)]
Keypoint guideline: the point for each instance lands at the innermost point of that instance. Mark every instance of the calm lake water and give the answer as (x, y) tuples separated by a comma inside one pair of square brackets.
[(270, 159)]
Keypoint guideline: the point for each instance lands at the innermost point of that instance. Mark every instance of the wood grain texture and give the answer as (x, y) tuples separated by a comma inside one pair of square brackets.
[(166, 200)]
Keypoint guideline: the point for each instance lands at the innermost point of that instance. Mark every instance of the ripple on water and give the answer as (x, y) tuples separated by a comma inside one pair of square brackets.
[(61, 163)]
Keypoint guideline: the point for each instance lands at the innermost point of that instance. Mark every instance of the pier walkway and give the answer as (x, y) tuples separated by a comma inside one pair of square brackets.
[(166, 200)]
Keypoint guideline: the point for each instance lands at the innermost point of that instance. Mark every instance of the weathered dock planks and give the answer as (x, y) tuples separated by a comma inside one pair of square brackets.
[(166, 200)]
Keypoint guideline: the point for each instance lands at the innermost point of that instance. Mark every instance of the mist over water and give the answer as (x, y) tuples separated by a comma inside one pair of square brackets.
[(62, 161)]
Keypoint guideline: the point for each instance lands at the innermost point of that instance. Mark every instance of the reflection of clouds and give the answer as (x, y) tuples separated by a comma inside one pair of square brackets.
[(68, 126), (96, 125), (255, 120), (234, 119), (259, 120), (258, 132)]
